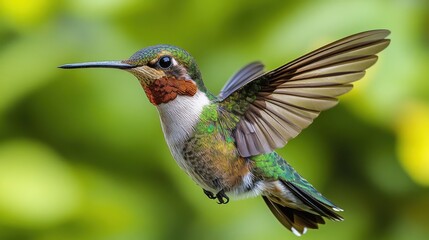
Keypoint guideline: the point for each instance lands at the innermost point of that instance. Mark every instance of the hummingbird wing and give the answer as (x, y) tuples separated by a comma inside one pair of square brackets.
[(274, 107), (242, 77)]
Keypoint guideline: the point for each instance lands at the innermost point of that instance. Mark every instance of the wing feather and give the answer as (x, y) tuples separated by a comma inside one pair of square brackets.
[(242, 77), (329, 80), (315, 92)]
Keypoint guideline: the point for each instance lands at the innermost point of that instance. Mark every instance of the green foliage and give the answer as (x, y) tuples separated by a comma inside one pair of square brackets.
[(82, 154)]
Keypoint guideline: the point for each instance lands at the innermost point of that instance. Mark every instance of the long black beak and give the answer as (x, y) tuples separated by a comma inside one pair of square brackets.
[(105, 64)]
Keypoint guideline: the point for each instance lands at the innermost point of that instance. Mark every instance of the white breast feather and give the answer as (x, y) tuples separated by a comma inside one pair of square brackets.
[(178, 120)]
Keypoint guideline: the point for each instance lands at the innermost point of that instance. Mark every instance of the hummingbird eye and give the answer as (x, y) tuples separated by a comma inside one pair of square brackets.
[(165, 62)]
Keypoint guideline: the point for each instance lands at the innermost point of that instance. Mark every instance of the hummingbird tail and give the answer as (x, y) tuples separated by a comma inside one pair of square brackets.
[(298, 209)]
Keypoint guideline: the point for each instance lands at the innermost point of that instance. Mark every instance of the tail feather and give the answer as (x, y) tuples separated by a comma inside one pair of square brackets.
[(295, 220), (321, 208), (300, 216)]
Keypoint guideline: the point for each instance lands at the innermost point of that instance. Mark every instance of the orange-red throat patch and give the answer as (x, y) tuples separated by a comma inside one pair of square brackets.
[(165, 89)]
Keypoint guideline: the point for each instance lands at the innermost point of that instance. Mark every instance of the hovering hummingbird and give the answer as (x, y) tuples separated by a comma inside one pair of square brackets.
[(226, 143)]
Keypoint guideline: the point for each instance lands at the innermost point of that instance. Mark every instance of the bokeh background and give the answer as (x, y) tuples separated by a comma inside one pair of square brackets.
[(82, 154)]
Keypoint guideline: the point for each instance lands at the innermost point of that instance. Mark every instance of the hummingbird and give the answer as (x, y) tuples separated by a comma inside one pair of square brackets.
[(226, 143)]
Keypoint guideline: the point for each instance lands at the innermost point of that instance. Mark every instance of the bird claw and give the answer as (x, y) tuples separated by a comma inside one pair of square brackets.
[(221, 196), (209, 194)]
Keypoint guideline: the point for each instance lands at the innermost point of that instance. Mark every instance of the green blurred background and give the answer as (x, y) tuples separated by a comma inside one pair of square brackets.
[(82, 155)]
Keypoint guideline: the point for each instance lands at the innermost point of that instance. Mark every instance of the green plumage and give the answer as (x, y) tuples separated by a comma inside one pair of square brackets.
[(239, 101)]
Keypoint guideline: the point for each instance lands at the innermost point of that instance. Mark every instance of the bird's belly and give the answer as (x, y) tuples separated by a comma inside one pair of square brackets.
[(188, 165), (213, 165)]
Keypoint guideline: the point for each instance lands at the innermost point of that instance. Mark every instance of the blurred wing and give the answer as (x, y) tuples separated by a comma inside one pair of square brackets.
[(241, 78), (274, 107)]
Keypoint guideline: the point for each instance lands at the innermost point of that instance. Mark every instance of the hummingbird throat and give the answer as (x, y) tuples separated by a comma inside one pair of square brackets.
[(166, 89)]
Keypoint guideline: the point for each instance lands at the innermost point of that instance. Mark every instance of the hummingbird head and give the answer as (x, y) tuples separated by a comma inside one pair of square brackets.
[(164, 71)]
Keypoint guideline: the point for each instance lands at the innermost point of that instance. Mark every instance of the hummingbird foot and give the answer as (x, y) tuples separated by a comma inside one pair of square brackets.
[(222, 197), (209, 194)]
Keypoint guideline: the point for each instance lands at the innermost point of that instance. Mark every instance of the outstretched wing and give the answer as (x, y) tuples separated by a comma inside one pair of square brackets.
[(274, 107)]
